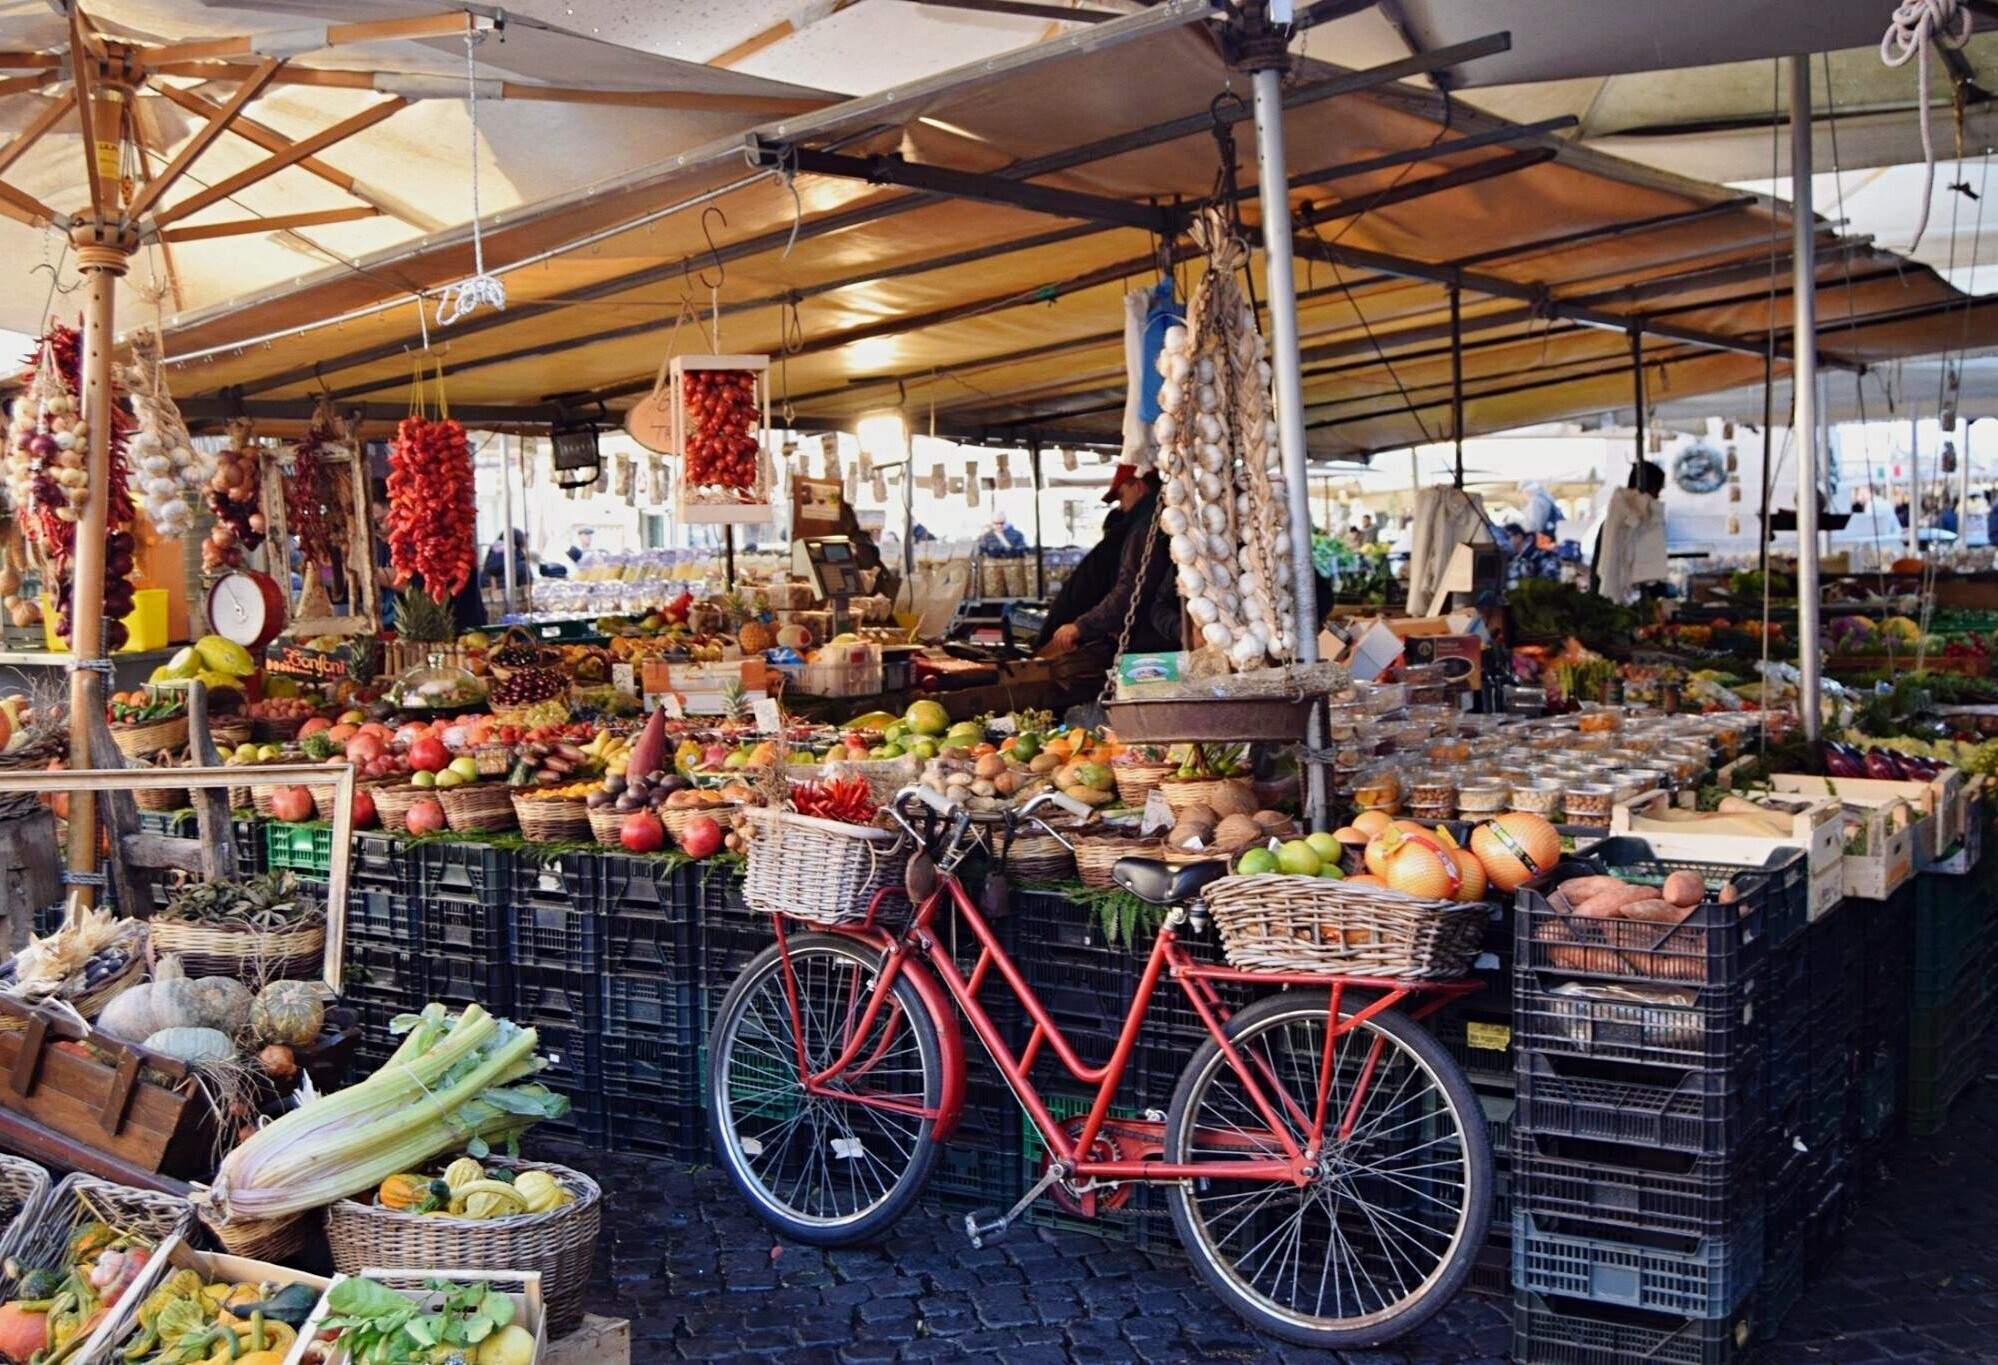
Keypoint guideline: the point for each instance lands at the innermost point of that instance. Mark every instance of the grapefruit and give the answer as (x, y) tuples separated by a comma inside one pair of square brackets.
[(927, 718), (1516, 848), (1298, 858)]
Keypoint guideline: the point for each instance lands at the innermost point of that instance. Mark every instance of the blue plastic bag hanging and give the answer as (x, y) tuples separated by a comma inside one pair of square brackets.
[(1164, 312)]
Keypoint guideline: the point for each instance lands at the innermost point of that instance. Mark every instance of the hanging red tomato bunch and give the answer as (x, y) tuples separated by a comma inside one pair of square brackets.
[(433, 517), (722, 420)]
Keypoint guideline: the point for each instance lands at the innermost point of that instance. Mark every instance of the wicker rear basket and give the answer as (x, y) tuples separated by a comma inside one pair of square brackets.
[(477, 806), (818, 870), (552, 820), (23, 1187), (561, 1243), (1276, 923), (252, 956), (147, 739)]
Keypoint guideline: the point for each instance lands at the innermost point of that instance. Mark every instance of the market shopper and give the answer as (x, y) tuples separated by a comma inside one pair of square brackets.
[(1001, 539), (1144, 569), (585, 536), (1096, 574)]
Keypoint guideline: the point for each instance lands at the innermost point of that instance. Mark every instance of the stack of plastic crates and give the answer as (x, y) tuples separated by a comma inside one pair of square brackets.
[(382, 971), (1642, 1133), (1477, 1032), (553, 931), (652, 1019), (1880, 1031), (1796, 1172), (1951, 1003)]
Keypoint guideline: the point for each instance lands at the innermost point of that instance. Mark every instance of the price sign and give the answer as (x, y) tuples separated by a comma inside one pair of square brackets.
[(767, 714), (624, 678)]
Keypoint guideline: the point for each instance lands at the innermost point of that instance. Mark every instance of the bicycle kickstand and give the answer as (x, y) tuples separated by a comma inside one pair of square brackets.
[(993, 1227)]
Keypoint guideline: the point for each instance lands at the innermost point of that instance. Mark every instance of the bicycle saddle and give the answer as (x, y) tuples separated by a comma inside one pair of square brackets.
[(1158, 883)]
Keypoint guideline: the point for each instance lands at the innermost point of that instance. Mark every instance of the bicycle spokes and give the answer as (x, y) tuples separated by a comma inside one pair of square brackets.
[(1384, 1205)]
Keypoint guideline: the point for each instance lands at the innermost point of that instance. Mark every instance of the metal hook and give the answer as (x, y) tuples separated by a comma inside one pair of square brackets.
[(721, 267)]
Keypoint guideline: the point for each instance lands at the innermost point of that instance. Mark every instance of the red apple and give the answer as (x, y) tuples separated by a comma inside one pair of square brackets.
[(314, 726), (700, 836), (641, 832), (425, 817), (429, 755)]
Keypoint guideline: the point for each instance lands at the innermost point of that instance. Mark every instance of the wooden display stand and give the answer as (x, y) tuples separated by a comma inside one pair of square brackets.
[(345, 463)]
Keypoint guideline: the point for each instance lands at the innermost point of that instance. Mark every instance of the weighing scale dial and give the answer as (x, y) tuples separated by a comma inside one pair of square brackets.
[(246, 606)]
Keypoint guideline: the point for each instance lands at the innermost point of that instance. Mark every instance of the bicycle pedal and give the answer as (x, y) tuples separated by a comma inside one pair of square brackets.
[(987, 1227)]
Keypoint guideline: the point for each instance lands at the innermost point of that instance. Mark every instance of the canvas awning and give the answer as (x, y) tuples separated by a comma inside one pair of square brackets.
[(991, 298)]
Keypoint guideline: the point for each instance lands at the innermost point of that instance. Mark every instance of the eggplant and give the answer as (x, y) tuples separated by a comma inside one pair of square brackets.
[(1880, 765)]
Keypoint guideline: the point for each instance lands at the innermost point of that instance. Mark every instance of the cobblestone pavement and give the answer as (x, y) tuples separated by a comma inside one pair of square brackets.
[(701, 1279)]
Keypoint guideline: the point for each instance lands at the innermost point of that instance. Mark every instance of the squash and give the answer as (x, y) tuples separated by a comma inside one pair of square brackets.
[(191, 1044), (24, 1332), (404, 1193), (288, 1012), (463, 1172), (511, 1345), (169, 1000), (225, 1003), (129, 1016)]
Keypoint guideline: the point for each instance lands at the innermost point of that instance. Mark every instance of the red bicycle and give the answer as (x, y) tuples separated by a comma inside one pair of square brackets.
[(1326, 1161)]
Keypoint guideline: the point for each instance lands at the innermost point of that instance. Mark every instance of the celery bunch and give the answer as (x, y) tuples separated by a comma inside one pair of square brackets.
[(451, 1083)]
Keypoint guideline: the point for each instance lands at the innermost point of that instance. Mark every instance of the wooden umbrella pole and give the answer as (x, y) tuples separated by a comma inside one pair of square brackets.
[(103, 250)]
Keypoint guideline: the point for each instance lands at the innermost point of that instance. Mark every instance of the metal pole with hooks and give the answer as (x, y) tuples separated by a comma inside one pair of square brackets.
[(1804, 392)]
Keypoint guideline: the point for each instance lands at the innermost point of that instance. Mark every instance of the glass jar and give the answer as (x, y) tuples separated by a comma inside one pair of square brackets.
[(1432, 789), (1377, 789)]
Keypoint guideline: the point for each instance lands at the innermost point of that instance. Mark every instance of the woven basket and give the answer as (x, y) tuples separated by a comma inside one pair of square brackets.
[(229, 733), (248, 955), (818, 870), (31, 756), (23, 1187), (1136, 780), (1096, 854), (392, 803), (552, 821), (477, 807), (1180, 794), (277, 1240), (143, 741), (1039, 858), (606, 822), (1275, 923), (160, 798), (93, 1000), (675, 818), (885, 776), (276, 729), (561, 1243), (323, 797), (79, 1199), (540, 657)]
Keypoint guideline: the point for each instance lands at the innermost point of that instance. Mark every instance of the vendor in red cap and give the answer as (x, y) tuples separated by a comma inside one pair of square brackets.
[(1096, 577)]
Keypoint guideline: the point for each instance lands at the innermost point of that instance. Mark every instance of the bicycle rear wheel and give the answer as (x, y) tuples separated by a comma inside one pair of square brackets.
[(823, 1168), (1390, 1228)]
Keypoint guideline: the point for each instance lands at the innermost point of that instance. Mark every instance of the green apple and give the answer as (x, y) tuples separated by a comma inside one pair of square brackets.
[(466, 767), (450, 778), (419, 778), (1254, 862), (1327, 848)]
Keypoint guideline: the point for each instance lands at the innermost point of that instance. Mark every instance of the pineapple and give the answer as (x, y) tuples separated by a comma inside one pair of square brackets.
[(419, 616), (735, 704)]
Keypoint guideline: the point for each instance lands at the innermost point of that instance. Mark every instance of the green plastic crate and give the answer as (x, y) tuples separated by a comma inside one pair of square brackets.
[(305, 849), (1138, 1222)]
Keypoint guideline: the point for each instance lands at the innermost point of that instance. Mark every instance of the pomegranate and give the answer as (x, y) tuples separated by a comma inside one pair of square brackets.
[(363, 810), (700, 837), (291, 804), (425, 817), (641, 832), (428, 755), (362, 746)]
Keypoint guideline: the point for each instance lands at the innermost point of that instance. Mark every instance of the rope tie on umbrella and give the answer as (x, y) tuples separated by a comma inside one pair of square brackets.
[(1915, 26), (459, 301)]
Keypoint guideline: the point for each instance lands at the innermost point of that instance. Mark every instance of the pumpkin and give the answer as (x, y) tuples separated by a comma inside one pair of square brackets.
[(23, 1333), (288, 1012), (225, 1003), (169, 1000), (404, 1193), (191, 1044)]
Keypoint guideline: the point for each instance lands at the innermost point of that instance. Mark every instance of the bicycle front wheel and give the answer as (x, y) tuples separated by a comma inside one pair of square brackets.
[(1389, 1229), (842, 1165)]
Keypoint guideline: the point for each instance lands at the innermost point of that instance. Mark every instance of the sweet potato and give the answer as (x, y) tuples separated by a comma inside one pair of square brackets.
[(1580, 889), (1729, 894), (1685, 888), (1656, 910), (1609, 904)]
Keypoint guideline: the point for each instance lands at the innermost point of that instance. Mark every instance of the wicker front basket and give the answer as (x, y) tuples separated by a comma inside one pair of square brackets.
[(1136, 780), (477, 806), (561, 1243), (607, 824), (23, 1187), (1276, 923), (818, 870), (392, 803), (249, 955), (143, 741), (552, 820), (885, 776), (1039, 858)]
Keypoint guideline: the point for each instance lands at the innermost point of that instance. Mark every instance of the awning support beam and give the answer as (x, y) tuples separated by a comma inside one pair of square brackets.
[(1804, 389)]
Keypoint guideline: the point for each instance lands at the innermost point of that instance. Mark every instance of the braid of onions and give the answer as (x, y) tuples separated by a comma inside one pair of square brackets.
[(452, 1081)]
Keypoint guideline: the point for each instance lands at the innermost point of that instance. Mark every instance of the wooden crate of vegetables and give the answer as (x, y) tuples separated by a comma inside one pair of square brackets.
[(493, 1316), (200, 1305)]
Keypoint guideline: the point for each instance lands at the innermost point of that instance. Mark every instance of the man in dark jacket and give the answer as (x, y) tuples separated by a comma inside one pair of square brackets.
[(1144, 568), (1097, 572)]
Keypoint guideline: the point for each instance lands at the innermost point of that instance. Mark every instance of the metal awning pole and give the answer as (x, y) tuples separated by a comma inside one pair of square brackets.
[(1273, 186), (1457, 377), (506, 523), (1040, 550), (1914, 480), (1804, 391)]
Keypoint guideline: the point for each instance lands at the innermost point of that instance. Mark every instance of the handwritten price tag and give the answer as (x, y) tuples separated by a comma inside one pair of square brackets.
[(768, 715)]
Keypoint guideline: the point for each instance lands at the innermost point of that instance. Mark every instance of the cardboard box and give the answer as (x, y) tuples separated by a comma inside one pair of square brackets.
[(1463, 657), (1814, 825)]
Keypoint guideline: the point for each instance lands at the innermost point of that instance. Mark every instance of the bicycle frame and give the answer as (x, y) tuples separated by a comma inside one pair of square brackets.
[(1298, 1166)]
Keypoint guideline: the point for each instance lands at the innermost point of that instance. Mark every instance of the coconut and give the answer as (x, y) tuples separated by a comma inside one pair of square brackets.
[(1237, 831), (1234, 798), (1183, 835), (1270, 819), (1197, 814)]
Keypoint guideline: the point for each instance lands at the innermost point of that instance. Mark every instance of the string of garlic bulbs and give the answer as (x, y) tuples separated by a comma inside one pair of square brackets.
[(1222, 493), (168, 472)]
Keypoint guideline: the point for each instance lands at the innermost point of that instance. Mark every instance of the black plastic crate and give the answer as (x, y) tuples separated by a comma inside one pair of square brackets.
[(727, 933), (1824, 1231), (1555, 1331), (586, 1123), (544, 996), (464, 871), (1141, 1221), (1619, 1189), (382, 973), (649, 918), (381, 861), (458, 927), (1704, 1113), (1781, 1288), (457, 980), (1706, 1280), (174, 824), (1477, 1032), (247, 833), (1715, 944), (1685, 1025), (383, 917), (565, 879), (559, 937), (981, 1166), (656, 1128), (662, 1007)]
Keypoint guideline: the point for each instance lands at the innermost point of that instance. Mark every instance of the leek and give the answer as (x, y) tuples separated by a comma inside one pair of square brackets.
[(452, 1080)]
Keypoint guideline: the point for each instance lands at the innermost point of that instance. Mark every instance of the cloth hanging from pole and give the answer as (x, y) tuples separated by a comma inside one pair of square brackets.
[(1445, 518), (1631, 545)]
